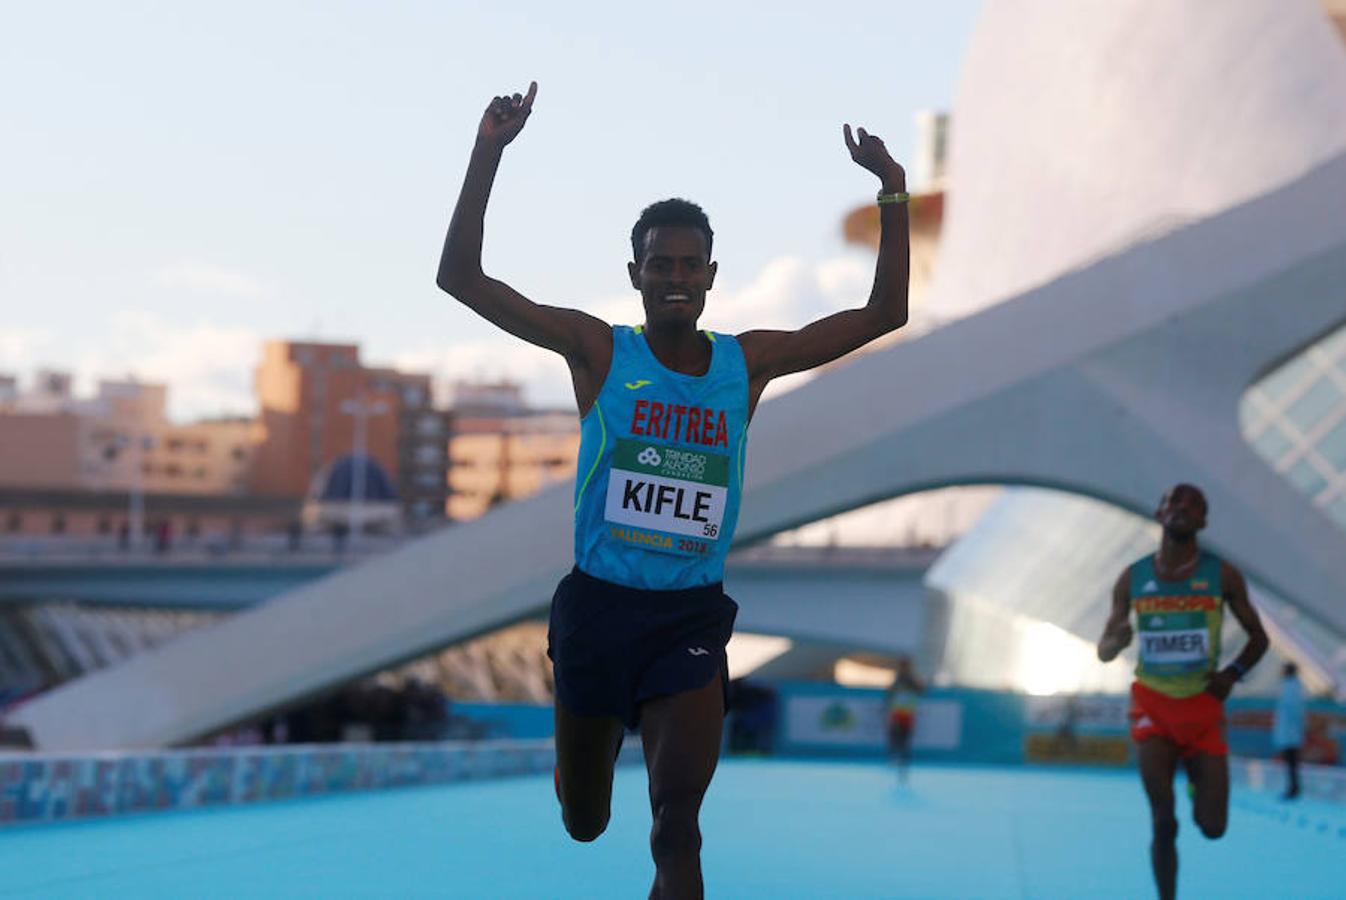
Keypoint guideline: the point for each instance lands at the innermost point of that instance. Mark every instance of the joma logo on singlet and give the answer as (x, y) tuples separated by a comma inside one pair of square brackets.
[(675, 422)]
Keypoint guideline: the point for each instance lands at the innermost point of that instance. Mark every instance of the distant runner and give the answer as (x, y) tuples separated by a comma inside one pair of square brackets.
[(901, 702), (1178, 596)]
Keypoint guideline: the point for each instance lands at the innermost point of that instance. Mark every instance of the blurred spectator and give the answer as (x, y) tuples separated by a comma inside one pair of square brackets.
[(1067, 734), (340, 531), (163, 536), (1287, 731), (427, 711), (752, 717), (369, 711)]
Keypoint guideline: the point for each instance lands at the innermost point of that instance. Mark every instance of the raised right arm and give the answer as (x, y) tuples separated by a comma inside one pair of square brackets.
[(585, 341)]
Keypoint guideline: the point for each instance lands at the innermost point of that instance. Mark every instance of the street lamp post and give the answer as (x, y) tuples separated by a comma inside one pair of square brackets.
[(135, 513), (135, 501), (360, 409)]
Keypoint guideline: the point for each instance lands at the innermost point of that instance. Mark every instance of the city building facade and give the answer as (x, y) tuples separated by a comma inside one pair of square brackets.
[(318, 403), (501, 450), (113, 465)]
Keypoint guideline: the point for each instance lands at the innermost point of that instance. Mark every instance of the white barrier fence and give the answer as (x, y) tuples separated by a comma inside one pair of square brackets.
[(1320, 782), (37, 787)]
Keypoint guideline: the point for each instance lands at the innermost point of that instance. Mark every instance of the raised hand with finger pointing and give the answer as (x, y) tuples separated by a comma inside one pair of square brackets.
[(505, 117)]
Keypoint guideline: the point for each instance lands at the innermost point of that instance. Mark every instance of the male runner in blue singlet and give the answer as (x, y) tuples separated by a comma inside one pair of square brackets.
[(639, 627)]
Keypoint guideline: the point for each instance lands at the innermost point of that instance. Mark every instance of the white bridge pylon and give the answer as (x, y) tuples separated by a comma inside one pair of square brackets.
[(1115, 380)]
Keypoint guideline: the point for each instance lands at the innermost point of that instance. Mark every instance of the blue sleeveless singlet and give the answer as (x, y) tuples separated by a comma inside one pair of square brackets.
[(661, 467)]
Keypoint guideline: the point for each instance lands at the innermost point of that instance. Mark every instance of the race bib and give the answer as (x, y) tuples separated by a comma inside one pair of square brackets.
[(1175, 642), (669, 490)]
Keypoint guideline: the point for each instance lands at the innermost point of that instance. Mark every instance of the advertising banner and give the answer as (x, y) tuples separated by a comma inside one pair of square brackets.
[(860, 721), (1090, 730), (1249, 728)]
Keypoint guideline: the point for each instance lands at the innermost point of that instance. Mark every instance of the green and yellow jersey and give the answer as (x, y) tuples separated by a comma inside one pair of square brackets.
[(1178, 626)]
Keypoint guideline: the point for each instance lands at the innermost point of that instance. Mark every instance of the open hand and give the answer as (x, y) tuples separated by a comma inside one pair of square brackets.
[(870, 153), (505, 117)]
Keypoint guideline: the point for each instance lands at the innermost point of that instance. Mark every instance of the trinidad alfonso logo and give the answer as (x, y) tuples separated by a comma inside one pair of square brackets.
[(650, 457)]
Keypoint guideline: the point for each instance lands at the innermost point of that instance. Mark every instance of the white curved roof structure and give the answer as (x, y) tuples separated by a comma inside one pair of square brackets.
[(1113, 378), (1081, 127)]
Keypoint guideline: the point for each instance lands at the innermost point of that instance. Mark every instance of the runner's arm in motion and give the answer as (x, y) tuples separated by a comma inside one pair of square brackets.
[(770, 354), (1117, 634), (585, 341), (1236, 596)]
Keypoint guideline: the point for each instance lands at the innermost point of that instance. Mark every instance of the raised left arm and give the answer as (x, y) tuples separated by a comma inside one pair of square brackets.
[(1236, 596), (770, 354)]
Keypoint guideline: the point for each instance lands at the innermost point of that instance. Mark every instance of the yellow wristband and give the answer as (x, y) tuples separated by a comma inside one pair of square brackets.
[(885, 199)]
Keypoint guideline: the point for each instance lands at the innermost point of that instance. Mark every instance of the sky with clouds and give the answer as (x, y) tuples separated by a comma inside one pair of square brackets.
[(179, 182)]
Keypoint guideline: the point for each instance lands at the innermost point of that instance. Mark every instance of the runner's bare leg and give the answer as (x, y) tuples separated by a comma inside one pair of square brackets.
[(586, 753), (1211, 809), (681, 734), (1158, 764)]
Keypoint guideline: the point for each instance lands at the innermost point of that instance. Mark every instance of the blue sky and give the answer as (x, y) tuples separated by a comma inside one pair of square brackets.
[(181, 181)]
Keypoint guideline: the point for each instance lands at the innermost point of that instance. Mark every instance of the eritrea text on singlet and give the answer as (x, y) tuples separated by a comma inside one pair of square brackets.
[(1177, 626), (661, 465)]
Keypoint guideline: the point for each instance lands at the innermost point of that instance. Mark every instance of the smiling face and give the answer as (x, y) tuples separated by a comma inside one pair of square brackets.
[(1182, 512), (673, 275)]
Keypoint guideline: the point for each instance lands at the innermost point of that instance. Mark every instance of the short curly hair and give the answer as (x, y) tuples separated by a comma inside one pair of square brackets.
[(1187, 487), (675, 211)]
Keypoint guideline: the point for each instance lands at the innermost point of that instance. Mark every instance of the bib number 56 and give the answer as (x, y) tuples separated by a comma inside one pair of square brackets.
[(711, 530)]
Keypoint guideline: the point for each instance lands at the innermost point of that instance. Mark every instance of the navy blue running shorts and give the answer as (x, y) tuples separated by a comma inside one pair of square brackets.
[(614, 647)]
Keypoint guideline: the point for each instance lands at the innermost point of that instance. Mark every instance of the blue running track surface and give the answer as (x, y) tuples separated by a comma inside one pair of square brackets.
[(772, 830)]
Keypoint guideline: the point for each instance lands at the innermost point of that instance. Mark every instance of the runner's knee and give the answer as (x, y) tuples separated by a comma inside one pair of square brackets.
[(676, 833), (1212, 826), (585, 827), (1165, 829)]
